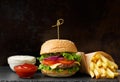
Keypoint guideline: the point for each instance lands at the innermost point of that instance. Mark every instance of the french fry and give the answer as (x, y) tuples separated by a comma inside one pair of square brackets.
[(103, 72), (110, 74), (97, 56), (92, 74), (104, 59), (94, 59), (101, 65), (112, 64), (97, 75), (92, 66), (104, 65), (116, 74)]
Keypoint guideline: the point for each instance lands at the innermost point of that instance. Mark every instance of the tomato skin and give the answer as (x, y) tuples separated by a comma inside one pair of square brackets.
[(25, 70), (59, 60), (65, 61), (49, 62)]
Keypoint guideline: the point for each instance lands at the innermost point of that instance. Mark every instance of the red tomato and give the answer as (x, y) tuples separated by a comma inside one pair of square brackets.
[(49, 62), (58, 60), (25, 70), (65, 61)]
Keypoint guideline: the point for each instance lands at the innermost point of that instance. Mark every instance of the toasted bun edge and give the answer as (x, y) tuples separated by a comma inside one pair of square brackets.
[(64, 73), (57, 45)]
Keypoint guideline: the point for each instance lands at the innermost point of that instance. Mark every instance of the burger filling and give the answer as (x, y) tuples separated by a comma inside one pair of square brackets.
[(60, 61)]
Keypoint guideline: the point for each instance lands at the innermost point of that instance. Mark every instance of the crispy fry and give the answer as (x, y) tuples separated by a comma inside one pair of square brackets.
[(92, 74), (103, 72), (112, 64), (112, 68), (94, 59), (97, 75), (116, 74), (99, 63), (102, 67), (110, 74), (97, 56), (92, 66), (104, 59)]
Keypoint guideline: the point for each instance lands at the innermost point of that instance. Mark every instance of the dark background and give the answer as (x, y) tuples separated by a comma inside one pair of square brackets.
[(92, 24)]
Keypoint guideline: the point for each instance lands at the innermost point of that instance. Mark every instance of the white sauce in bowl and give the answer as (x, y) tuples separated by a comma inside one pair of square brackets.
[(20, 59)]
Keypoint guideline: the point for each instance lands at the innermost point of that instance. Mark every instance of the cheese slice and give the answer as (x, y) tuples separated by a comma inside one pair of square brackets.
[(77, 63), (55, 65)]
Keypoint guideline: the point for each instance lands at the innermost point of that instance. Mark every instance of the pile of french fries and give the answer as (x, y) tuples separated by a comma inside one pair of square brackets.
[(101, 67)]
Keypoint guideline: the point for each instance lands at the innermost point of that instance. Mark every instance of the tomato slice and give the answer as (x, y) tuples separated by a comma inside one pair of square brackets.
[(25, 70), (65, 61), (49, 62), (62, 60)]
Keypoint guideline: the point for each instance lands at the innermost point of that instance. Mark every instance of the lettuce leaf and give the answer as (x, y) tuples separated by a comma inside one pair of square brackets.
[(67, 55), (45, 56), (41, 66), (71, 56)]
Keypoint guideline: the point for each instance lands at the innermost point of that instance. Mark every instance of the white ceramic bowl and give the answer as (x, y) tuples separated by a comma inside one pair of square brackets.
[(20, 59)]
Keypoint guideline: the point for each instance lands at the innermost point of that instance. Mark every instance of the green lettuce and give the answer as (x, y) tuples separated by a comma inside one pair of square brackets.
[(71, 56), (67, 55), (45, 56)]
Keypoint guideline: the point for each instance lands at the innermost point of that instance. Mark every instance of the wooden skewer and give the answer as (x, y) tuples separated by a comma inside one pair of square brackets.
[(59, 22)]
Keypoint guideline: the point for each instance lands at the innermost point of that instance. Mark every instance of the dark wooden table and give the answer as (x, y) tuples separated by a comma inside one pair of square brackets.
[(7, 75)]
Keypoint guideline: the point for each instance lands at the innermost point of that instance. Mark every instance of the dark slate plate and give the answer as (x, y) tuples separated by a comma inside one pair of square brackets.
[(6, 75)]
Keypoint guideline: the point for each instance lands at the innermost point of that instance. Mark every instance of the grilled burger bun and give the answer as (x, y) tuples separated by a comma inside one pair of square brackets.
[(59, 58), (64, 73), (56, 45)]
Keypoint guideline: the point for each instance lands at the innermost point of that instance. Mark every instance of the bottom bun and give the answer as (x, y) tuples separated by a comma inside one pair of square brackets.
[(64, 73)]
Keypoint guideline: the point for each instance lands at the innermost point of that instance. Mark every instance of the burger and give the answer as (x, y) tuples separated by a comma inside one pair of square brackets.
[(59, 58)]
